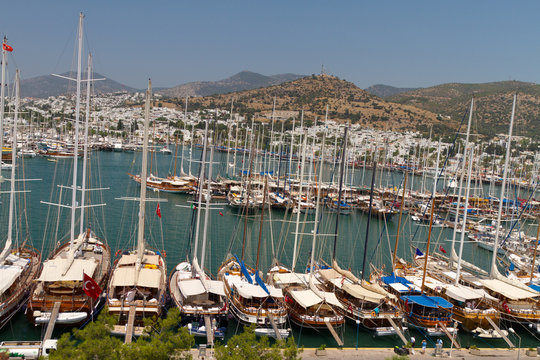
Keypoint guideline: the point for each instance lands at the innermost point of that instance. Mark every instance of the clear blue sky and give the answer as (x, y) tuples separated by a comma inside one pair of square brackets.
[(401, 43)]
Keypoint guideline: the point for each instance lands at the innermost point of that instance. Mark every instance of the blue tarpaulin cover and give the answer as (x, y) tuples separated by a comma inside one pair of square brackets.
[(427, 301), (535, 287), (391, 279), (244, 270)]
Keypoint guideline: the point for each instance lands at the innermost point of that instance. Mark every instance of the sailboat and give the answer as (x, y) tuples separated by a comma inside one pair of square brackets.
[(195, 293), (61, 282), (18, 265), (137, 287)]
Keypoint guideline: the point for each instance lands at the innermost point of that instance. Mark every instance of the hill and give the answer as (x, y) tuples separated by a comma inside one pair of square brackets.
[(346, 102), (383, 91), (49, 85), (493, 105), (244, 80)]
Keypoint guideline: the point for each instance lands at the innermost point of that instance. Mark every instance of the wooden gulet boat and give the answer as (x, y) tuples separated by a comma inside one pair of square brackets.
[(194, 293), (20, 265), (61, 280), (137, 288)]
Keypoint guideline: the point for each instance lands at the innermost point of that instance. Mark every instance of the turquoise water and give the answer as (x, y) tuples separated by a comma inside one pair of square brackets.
[(117, 223)]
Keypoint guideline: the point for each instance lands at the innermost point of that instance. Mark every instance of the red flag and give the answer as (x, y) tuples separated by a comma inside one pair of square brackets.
[(220, 213), (90, 287), (441, 249), (158, 211), (7, 47)]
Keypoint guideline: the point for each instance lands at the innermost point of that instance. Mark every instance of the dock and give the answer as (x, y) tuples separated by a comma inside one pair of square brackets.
[(498, 330), (130, 323), (209, 330), (397, 329), (274, 325), (52, 321), (450, 336), (334, 333)]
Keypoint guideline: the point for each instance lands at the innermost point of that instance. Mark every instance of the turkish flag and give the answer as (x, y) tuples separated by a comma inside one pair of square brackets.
[(7, 47), (90, 287), (158, 211), (441, 249)]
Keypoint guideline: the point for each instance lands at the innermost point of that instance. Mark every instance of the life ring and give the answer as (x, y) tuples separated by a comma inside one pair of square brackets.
[(396, 313), (117, 252), (373, 314), (164, 254)]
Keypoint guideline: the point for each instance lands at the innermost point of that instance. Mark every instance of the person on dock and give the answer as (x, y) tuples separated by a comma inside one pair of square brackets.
[(413, 341), (424, 346)]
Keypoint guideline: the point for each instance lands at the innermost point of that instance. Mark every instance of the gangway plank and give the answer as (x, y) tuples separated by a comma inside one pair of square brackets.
[(499, 331), (334, 333), (52, 321), (209, 330), (450, 336), (130, 324), (398, 330), (274, 325)]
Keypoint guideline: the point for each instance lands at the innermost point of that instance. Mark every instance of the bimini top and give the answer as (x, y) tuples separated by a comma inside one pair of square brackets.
[(392, 279), (427, 301)]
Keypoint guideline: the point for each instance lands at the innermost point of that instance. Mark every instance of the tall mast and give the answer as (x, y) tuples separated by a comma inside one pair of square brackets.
[(85, 157), (317, 206), (494, 269), (144, 171), (201, 188), (9, 240), (399, 220), (304, 145), (339, 192), (76, 145), (208, 197), (464, 225), (229, 138), (368, 217), (2, 95)]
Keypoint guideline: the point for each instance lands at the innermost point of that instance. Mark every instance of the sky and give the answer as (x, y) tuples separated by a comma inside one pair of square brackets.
[(399, 43)]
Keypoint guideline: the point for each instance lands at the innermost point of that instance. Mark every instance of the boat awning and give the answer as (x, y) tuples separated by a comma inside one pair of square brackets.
[(250, 291), (359, 292), (509, 291), (191, 287), (534, 287), (125, 276), (216, 287), (428, 301), (331, 299), (305, 298), (53, 269), (132, 259), (392, 279), (402, 288), (8, 275), (150, 278), (293, 278), (462, 293)]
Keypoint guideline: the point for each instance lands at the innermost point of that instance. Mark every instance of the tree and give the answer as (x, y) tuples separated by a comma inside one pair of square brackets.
[(247, 346), (120, 125)]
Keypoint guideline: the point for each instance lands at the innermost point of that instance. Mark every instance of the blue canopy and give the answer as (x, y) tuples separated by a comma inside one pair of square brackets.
[(535, 287), (427, 301), (391, 279)]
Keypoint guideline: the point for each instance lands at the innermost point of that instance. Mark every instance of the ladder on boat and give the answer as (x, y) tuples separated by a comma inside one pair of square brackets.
[(130, 324), (450, 336), (499, 331), (274, 325), (334, 333), (52, 320), (209, 330), (397, 329)]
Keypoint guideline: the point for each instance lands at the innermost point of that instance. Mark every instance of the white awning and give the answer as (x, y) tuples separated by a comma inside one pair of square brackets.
[(462, 293), (191, 287), (8, 275), (125, 276), (132, 259), (509, 291), (216, 287), (331, 299), (305, 298), (53, 269), (359, 292), (150, 278), (292, 278), (250, 291)]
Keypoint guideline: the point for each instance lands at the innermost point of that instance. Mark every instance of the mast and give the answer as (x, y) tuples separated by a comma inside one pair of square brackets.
[(262, 221), (208, 196), (201, 187), (317, 206), (304, 145), (494, 269), (229, 138), (85, 157), (144, 171), (76, 145), (339, 192), (9, 240), (428, 243), (368, 217), (2, 95), (464, 225)]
